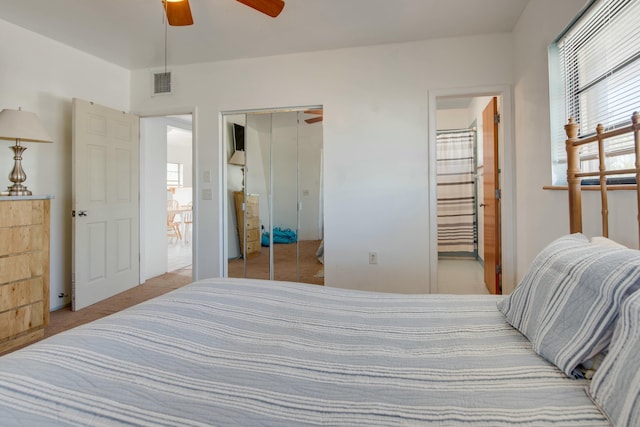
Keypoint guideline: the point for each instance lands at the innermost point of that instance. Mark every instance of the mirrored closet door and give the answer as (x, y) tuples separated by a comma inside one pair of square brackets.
[(274, 182)]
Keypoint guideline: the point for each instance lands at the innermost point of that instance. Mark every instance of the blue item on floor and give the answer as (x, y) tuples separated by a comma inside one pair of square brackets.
[(280, 235)]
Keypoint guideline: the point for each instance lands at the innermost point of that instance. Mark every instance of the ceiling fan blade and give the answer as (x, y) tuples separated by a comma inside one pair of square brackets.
[(268, 7), (314, 120), (314, 111), (178, 12)]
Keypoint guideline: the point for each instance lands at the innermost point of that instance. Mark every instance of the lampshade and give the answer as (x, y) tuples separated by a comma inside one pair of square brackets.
[(237, 158), (22, 125)]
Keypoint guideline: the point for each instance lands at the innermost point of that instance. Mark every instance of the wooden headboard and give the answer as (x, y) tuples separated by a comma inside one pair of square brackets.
[(574, 175)]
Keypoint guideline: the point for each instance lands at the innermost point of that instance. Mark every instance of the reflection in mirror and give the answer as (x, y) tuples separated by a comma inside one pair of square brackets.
[(275, 196), (284, 233), (310, 197), (235, 194), (258, 193)]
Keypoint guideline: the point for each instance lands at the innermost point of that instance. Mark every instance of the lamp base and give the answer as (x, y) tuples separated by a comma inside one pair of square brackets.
[(17, 175), (18, 190)]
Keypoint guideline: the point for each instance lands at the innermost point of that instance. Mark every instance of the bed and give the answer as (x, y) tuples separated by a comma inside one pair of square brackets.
[(247, 352), (561, 350)]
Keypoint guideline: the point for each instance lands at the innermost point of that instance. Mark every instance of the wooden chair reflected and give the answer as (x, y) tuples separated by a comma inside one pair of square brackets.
[(173, 227), (187, 220), (177, 216)]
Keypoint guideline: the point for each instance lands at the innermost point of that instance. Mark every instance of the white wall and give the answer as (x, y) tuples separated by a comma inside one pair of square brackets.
[(452, 118), (375, 110), (179, 151), (153, 132), (42, 76)]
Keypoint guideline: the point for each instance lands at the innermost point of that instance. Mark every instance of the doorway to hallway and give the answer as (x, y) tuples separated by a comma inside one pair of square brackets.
[(167, 193), (465, 222)]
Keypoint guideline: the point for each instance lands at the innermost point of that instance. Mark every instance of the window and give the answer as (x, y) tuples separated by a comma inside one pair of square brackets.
[(595, 78), (174, 175)]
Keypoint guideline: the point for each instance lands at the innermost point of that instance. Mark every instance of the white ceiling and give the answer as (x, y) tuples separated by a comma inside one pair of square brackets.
[(130, 33)]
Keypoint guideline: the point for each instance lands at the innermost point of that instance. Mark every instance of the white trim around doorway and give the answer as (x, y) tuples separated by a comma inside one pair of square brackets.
[(196, 183), (506, 151)]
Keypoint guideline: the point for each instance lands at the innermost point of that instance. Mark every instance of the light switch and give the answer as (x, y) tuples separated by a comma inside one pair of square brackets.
[(207, 194), (206, 176)]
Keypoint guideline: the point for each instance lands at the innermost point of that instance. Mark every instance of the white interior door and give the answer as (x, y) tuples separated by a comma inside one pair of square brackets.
[(106, 168)]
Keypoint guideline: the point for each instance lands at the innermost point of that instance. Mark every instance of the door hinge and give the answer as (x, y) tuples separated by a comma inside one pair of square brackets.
[(498, 268), (498, 194), (496, 118)]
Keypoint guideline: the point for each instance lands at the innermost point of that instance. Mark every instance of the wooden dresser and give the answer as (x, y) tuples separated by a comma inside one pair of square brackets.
[(24, 270), (252, 219)]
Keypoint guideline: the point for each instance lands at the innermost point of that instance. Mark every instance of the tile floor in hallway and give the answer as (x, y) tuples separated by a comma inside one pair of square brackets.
[(180, 254), (461, 276)]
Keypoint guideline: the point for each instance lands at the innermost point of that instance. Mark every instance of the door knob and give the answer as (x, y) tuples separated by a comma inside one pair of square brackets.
[(482, 205), (82, 213)]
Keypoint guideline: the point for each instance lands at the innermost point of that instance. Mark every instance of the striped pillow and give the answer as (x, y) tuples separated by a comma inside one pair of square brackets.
[(616, 385), (569, 300)]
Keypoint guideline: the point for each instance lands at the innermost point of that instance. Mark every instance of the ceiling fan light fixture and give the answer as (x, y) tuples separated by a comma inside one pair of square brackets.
[(316, 112), (271, 8), (178, 12), (313, 120)]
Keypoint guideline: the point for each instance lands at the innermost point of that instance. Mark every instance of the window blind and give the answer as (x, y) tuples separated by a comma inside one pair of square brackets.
[(599, 61), (174, 174)]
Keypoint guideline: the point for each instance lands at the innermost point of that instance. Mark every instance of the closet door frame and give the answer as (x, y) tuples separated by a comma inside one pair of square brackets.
[(224, 167)]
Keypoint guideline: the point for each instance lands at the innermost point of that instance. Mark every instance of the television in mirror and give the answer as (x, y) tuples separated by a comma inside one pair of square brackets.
[(238, 137)]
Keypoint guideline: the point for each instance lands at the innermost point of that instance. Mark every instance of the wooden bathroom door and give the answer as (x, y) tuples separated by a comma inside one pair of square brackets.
[(491, 187)]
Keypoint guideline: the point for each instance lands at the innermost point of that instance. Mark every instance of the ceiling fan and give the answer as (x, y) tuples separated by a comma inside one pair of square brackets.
[(317, 112), (179, 12)]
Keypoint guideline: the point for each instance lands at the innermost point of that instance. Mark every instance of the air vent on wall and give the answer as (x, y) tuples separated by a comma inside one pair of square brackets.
[(162, 83)]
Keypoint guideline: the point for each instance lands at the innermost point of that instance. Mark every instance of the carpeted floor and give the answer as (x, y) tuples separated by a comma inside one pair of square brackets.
[(64, 318)]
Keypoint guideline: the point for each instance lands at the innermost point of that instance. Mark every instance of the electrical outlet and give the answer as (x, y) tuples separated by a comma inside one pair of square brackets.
[(373, 257)]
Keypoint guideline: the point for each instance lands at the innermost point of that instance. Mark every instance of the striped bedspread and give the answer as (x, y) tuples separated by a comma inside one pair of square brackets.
[(247, 352)]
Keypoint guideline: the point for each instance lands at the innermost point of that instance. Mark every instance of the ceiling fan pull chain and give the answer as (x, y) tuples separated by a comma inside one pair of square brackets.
[(166, 29)]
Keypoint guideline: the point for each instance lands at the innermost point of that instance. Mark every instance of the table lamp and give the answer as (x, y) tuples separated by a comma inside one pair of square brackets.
[(238, 159), (20, 126)]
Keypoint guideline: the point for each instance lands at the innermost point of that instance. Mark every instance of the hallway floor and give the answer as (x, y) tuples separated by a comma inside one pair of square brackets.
[(180, 254), (460, 276)]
